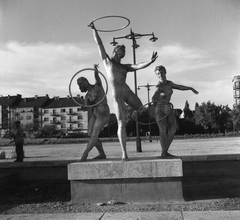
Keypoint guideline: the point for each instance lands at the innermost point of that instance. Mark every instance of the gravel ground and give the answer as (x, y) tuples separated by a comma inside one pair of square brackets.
[(48, 197)]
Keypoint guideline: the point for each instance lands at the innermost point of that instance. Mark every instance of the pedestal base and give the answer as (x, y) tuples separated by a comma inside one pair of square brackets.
[(132, 181)]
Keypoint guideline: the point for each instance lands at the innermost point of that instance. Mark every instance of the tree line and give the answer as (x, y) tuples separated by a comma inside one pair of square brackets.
[(206, 118)]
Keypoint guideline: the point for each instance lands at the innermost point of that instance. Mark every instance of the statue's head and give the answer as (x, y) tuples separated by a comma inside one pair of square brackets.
[(120, 50), (83, 84), (161, 72), (160, 69)]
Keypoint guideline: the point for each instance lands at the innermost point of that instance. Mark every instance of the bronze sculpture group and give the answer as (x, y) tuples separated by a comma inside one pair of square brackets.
[(122, 95)]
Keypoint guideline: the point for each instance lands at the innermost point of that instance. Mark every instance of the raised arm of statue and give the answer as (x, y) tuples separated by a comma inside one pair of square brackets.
[(99, 42), (142, 65), (97, 78)]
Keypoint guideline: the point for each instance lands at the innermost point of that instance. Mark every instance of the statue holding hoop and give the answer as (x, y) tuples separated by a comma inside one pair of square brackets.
[(163, 109), (117, 73), (96, 98)]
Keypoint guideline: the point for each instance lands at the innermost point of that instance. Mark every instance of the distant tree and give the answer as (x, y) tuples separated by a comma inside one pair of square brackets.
[(214, 118), (188, 114), (49, 130), (235, 113), (226, 123), (205, 115)]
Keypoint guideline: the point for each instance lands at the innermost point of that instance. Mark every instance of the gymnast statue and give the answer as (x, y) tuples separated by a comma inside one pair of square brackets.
[(100, 113), (162, 107), (121, 92)]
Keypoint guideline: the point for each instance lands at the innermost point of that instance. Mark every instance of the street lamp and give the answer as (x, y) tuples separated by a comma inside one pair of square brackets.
[(149, 125), (133, 36)]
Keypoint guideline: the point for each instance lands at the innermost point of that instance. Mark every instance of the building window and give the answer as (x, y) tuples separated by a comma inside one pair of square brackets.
[(63, 110), (29, 117), (78, 109), (46, 111), (63, 126), (63, 118), (45, 119), (80, 117), (21, 118), (80, 125)]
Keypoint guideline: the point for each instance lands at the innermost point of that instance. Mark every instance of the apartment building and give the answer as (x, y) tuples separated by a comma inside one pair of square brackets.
[(65, 114), (236, 90), (28, 110), (39, 111), (6, 103)]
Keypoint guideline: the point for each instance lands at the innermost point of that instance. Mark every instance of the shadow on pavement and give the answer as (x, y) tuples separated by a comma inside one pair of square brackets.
[(33, 192), (205, 188)]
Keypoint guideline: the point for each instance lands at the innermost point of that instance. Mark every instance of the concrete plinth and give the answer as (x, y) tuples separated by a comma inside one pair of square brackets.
[(132, 181)]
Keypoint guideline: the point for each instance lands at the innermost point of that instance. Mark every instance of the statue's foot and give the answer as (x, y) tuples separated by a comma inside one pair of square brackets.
[(167, 156), (125, 158), (82, 160), (84, 157), (100, 157), (171, 156)]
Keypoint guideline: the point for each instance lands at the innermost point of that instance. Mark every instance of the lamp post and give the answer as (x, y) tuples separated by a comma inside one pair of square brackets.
[(133, 36), (149, 126)]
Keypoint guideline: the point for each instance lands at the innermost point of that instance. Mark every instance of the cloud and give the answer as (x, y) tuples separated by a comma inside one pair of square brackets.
[(34, 68)]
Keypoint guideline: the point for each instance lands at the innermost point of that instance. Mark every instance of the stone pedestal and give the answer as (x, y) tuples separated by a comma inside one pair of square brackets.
[(136, 180)]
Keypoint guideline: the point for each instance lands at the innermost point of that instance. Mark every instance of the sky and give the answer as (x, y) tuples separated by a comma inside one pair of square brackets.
[(46, 44)]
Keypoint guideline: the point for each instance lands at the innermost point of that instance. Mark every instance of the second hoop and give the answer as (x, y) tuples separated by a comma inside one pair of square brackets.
[(159, 104), (70, 85)]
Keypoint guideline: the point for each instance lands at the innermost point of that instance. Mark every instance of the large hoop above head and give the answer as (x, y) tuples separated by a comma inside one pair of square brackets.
[(112, 16), (70, 92), (158, 103)]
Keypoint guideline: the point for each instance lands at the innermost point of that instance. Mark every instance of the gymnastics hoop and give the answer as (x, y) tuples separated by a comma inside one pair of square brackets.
[(70, 92), (158, 103), (111, 16)]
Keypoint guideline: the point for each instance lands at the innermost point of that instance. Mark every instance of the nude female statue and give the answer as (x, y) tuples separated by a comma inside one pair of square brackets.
[(100, 115), (162, 95), (117, 74)]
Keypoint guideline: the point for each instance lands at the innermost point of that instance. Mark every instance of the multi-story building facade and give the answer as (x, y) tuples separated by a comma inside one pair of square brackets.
[(6, 103), (28, 111), (35, 112), (65, 114), (236, 90)]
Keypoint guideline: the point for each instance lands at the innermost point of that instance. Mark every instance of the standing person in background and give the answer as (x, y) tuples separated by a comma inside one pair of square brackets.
[(161, 99), (18, 137)]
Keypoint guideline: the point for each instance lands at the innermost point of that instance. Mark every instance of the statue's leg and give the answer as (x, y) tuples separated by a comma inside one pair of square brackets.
[(162, 126), (101, 121), (119, 106), (163, 137), (92, 140), (171, 120), (99, 147)]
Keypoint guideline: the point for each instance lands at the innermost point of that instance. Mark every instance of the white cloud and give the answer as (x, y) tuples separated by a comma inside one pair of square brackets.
[(31, 69)]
